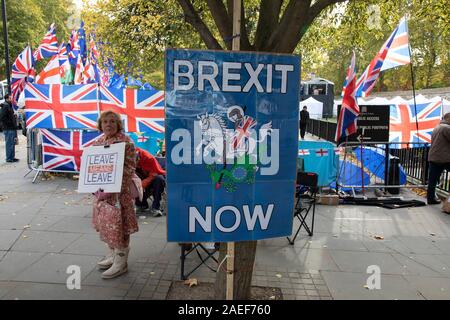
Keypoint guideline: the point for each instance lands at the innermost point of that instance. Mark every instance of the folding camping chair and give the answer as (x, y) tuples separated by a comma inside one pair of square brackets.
[(305, 193), (204, 252)]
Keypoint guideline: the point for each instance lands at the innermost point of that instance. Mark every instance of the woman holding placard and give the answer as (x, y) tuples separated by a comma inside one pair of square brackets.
[(114, 215)]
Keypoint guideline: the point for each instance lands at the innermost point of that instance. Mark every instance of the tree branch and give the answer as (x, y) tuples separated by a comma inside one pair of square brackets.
[(194, 19), (269, 11), (222, 20)]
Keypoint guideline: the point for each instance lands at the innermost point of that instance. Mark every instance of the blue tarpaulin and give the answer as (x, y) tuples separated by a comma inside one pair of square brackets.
[(325, 165)]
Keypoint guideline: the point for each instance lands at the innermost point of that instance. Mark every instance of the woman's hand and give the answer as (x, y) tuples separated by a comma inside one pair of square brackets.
[(101, 195)]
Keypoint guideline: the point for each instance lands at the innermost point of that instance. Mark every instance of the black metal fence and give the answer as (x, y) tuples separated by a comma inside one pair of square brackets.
[(413, 157), (323, 129)]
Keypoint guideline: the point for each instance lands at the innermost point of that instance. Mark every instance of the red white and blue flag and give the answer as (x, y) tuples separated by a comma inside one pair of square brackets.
[(62, 150), (141, 110), (21, 73), (49, 45), (403, 126), (346, 124), (61, 107), (393, 53)]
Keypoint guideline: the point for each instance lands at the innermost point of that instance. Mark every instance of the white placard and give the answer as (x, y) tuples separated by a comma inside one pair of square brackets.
[(102, 168)]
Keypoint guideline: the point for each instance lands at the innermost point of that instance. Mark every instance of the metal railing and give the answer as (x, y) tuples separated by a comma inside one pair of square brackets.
[(405, 167), (323, 129)]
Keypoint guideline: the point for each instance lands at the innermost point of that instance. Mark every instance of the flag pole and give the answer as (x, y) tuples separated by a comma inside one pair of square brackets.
[(5, 39), (236, 45), (413, 88)]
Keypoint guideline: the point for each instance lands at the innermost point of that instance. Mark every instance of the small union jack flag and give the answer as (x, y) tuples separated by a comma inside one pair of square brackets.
[(61, 107), (21, 73), (303, 152), (49, 45), (242, 132), (62, 150), (141, 111), (403, 125)]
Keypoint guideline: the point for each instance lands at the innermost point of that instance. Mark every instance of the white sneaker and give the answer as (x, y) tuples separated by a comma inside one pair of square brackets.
[(157, 213)]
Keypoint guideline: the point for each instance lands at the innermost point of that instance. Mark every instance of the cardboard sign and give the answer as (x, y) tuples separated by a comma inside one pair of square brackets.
[(102, 168), (231, 139)]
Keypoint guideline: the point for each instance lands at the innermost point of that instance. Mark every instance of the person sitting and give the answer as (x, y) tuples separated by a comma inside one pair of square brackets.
[(153, 181)]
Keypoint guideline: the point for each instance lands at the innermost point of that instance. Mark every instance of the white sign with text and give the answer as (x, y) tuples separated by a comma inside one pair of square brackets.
[(102, 168)]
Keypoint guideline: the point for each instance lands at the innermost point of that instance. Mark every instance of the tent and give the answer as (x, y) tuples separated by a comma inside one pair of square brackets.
[(445, 106), (315, 108), (420, 99), (397, 100), (350, 175), (376, 101)]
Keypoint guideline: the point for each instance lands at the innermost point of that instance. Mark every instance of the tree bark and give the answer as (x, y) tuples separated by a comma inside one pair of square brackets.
[(194, 19), (222, 20), (269, 15), (245, 252)]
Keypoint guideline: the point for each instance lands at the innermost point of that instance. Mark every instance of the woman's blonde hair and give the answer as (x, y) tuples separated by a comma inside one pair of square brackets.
[(104, 114)]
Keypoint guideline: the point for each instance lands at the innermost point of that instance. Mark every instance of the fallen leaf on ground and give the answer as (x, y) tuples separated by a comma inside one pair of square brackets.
[(27, 226), (379, 237), (366, 286), (66, 203), (432, 234), (152, 273), (145, 222), (191, 282), (24, 236), (272, 298), (63, 189)]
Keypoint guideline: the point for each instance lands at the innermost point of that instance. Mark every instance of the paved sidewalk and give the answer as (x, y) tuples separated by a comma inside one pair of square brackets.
[(46, 227)]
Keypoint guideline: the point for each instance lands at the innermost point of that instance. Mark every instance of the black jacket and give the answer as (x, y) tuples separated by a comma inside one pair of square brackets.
[(304, 116), (7, 117)]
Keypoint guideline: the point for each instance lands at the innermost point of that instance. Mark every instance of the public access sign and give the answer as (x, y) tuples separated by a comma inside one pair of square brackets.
[(372, 124), (231, 138)]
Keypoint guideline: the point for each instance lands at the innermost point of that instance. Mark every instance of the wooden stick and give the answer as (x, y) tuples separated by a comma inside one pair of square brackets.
[(230, 245)]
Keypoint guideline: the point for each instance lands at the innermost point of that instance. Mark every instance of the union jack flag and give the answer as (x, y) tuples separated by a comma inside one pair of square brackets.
[(141, 111), (21, 73), (61, 107), (48, 46), (393, 53), (403, 126), (242, 132), (346, 124), (62, 150)]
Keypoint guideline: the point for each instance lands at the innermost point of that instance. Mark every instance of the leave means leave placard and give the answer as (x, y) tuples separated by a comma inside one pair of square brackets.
[(102, 168)]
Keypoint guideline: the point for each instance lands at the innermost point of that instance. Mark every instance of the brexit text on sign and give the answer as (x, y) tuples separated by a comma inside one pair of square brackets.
[(231, 139), (102, 168)]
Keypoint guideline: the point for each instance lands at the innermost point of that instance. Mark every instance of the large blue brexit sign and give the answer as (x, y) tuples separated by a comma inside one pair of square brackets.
[(231, 141)]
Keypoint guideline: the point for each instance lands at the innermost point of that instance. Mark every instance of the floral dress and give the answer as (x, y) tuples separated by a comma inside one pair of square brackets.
[(126, 200)]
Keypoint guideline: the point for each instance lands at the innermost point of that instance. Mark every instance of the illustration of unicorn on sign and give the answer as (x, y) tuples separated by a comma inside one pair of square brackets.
[(240, 143)]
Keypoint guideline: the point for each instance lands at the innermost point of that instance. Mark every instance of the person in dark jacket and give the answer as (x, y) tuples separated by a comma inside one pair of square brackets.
[(439, 157), (9, 124), (304, 119), (153, 181)]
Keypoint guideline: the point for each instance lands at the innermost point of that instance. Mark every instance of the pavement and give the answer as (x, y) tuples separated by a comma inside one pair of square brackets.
[(45, 228)]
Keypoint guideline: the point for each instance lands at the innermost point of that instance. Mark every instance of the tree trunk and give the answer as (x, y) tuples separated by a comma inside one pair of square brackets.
[(245, 252)]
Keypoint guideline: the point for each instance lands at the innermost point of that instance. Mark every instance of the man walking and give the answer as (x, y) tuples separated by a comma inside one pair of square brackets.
[(304, 119), (9, 123), (439, 157)]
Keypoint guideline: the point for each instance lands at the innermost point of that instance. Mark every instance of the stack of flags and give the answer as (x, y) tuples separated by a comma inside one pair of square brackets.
[(394, 52)]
